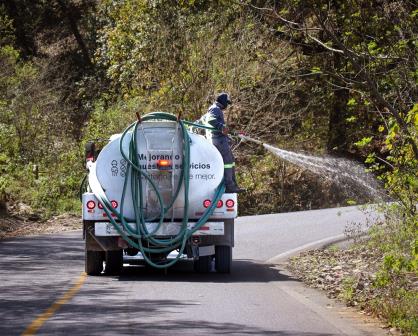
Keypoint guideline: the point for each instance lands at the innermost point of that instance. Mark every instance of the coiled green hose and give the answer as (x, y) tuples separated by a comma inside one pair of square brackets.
[(139, 237)]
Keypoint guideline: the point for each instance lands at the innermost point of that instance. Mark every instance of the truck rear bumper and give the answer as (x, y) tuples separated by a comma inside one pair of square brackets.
[(109, 242), (106, 229)]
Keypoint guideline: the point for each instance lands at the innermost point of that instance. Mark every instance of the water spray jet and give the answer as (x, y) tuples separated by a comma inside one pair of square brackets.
[(343, 171)]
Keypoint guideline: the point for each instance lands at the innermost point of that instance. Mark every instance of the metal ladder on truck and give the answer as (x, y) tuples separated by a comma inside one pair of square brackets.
[(165, 179)]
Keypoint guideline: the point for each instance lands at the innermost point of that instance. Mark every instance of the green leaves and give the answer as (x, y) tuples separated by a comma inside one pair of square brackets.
[(352, 102), (412, 116), (364, 142), (373, 48), (371, 158), (351, 119), (316, 70)]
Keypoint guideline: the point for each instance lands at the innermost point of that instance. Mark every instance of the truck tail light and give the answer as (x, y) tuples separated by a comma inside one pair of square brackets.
[(91, 205), (230, 203), (100, 205), (164, 164), (207, 203), (114, 204)]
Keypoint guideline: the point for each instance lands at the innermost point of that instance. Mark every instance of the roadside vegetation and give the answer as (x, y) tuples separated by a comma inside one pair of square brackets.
[(336, 78), (376, 273)]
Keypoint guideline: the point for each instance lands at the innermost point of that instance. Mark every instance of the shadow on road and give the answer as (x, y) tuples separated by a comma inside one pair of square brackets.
[(35, 271), (145, 319), (243, 271)]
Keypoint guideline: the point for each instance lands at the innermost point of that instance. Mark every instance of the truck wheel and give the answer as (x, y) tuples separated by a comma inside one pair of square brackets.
[(203, 264), (94, 262), (223, 259), (114, 262)]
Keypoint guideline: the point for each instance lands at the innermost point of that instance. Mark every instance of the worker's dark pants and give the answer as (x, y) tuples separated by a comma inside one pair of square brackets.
[(222, 144)]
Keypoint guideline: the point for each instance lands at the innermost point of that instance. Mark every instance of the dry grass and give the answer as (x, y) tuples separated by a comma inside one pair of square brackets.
[(16, 226)]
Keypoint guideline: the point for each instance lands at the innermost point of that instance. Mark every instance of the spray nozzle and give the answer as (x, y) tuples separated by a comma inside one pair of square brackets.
[(243, 136)]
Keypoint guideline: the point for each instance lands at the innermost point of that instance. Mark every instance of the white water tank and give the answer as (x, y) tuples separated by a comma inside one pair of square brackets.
[(160, 153)]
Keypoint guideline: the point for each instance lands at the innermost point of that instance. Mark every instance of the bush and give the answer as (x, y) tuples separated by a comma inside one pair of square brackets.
[(397, 244)]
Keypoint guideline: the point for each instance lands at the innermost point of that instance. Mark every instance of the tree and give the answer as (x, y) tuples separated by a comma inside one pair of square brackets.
[(372, 43)]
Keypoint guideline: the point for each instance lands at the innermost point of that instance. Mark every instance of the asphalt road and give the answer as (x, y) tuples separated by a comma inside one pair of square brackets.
[(37, 275)]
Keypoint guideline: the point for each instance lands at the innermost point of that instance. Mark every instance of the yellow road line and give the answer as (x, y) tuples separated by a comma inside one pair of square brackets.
[(41, 319)]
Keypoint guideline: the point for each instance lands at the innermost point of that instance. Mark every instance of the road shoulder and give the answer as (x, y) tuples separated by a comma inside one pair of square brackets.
[(348, 320)]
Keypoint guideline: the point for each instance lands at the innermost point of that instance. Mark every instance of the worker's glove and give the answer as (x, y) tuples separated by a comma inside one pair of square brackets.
[(225, 130), (237, 133)]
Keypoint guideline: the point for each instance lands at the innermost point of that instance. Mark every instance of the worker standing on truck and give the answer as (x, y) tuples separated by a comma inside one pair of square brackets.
[(215, 118)]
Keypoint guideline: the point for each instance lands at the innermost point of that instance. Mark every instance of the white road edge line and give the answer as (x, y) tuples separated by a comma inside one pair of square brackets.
[(313, 245)]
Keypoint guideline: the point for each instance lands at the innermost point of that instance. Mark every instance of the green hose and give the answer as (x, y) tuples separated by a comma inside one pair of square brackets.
[(139, 237)]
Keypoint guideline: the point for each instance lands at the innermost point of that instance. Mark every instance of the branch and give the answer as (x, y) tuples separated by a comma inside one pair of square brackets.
[(324, 45), (372, 86), (303, 27), (287, 21)]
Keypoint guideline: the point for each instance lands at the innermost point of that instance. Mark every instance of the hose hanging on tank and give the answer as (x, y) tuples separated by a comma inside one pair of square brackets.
[(139, 237)]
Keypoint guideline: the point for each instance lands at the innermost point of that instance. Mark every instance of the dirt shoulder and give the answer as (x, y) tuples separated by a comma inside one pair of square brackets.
[(16, 226), (334, 270), (347, 274)]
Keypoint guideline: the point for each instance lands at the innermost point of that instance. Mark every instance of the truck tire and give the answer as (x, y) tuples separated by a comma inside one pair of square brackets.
[(93, 262), (223, 259), (203, 264), (114, 262)]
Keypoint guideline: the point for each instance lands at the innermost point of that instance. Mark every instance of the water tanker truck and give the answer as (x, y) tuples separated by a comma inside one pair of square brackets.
[(156, 192)]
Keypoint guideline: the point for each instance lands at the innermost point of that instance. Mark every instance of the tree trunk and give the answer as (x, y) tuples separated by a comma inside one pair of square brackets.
[(24, 38), (67, 11), (337, 134), (3, 206)]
